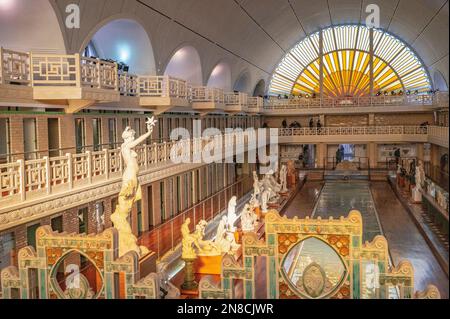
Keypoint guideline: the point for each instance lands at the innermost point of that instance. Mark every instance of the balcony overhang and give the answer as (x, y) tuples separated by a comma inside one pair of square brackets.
[(208, 106), (75, 98), (163, 104), (236, 108), (16, 93)]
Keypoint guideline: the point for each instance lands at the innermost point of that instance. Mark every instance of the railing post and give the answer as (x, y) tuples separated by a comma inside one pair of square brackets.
[(106, 163), (99, 74), (48, 181), (78, 70), (166, 82), (145, 156), (2, 73), (69, 170), (89, 166), (22, 179), (165, 151)]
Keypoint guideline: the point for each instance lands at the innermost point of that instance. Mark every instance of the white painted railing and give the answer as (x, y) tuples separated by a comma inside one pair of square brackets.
[(162, 86), (388, 100), (438, 135), (14, 67), (128, 84), (236, 98), (73, 71), (363, 130), (22, 180), (207, 94), (255, 102)]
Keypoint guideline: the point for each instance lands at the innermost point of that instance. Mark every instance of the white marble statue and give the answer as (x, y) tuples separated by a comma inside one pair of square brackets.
[(265, 197), (130, 191), (225, 240), (420, 180), (254, 201), (231, 213), (256, 184), (283, 179), (248, 219), (270, 182)]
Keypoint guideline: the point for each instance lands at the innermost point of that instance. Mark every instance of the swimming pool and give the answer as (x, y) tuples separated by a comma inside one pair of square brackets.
[(338, 198)]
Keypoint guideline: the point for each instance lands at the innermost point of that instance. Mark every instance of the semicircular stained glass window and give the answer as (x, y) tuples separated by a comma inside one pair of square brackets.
[(346, 65)]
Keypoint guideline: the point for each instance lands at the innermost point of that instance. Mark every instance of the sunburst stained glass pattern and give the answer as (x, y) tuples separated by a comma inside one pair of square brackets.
[(346, 65)]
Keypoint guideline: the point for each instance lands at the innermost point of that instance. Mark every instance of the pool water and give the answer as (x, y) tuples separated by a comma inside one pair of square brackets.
[(338, 198)]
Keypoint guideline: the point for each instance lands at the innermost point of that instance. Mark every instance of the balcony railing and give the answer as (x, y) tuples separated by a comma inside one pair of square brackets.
[(440, 99), (162, 86), (73, 71), (128, 84), (363, 130), (49, 175), (14, 67), (255, 102), (237, 98), (207, 94)]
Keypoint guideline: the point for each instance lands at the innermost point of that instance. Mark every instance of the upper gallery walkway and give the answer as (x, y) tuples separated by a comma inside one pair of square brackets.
[(395, 134), (74, 82)]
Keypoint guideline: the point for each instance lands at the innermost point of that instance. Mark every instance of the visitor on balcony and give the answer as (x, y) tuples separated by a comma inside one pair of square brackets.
[(311, 123), (397, 156), (284, 124)]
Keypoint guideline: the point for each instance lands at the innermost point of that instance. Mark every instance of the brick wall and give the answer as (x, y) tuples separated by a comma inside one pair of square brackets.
[(346, 120), (403, 119)]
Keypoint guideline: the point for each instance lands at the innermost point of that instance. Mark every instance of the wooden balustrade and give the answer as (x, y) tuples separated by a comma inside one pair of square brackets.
[(207, 94), (363, 130), (440, 98), (162, 86), (14, 67)]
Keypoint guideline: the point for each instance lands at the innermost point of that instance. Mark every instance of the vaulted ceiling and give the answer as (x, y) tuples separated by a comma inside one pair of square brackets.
[(253, 35)]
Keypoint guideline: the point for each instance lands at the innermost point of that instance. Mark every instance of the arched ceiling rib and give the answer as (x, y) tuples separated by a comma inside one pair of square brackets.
[(255, 34)]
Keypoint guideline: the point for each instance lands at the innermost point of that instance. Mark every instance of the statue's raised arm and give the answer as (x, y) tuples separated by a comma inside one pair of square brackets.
[(151, 122)]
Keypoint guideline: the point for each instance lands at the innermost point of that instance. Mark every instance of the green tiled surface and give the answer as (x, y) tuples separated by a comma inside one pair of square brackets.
[(339, 198)]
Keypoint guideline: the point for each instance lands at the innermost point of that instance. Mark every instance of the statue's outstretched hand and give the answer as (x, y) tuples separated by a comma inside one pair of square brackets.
[(151, 122)]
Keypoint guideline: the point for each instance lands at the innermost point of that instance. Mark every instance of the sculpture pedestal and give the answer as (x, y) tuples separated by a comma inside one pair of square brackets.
[(208, 265), (189, 283)]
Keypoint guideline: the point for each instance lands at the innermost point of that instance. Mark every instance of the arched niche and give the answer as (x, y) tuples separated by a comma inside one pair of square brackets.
[(243, 83), (30, 26), (221, 77), (125, 40), (439, 82), (260, 88), (185, 64)]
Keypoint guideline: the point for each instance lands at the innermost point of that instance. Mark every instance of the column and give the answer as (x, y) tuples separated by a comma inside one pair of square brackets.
[(321, 152), (420, 151), (321, 63), (371, 61), (371, 119), (373, 154)]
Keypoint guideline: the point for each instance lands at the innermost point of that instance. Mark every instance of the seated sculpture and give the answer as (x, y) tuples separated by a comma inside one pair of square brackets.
[(248, 219), (231, 213), (225, 240)]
